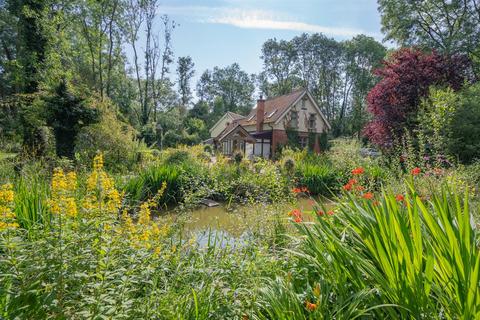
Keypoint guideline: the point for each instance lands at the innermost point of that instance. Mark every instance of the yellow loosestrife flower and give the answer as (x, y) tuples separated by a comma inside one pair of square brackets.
[(7, 215)]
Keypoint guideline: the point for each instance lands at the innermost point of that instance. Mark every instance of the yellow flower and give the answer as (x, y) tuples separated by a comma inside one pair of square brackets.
[(62, 200), (7, 215)]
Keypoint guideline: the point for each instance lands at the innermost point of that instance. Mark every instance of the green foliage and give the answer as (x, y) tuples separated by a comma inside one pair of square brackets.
[(320, 179), (465, 131), (146, 185), (114, 139), (421, 256)]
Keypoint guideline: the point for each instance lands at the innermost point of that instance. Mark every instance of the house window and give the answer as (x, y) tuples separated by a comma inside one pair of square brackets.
[(294, 119), (303, 142), (312, 122)]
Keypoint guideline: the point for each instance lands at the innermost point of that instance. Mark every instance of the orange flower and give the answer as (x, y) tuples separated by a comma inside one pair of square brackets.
[(368, 196), (310, 306), (295, 213), (400, 198), (296, 190), (347, 187), (330, 213), (352, 181), (298, 219), (358, 171), (416, 171), (360, 188), (320, 213), (376, 203), (305, 189)]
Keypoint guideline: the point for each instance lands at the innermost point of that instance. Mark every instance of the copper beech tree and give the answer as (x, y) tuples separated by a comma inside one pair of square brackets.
[(405, 79)]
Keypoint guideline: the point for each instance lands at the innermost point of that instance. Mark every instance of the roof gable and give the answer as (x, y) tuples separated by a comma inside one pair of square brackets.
[(230, 115)]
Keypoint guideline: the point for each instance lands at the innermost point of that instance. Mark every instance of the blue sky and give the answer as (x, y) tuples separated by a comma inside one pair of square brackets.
[(221, 32)]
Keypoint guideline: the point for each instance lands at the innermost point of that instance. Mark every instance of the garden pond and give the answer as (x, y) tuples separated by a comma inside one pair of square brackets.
[(235, 225)]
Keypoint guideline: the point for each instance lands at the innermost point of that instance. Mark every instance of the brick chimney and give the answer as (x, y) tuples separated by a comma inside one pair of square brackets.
[(260, 113)]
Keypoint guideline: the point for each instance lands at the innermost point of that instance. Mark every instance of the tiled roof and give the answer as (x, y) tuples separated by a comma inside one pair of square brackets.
[(274, 108), (235, 116)]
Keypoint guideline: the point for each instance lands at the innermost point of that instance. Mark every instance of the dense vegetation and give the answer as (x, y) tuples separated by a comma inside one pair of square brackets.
[(100, 167)]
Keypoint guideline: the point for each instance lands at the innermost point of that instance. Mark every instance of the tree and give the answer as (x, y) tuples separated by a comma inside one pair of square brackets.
[(185, 74), (449, 26), (32, 40), (233, 85), (67, 114), (405, 79), (464, 140)]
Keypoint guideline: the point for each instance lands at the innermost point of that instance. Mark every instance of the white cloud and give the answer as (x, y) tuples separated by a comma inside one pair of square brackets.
[(255, 19)]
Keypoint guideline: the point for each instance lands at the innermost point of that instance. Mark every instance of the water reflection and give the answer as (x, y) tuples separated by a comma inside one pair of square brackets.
[(225, 226)]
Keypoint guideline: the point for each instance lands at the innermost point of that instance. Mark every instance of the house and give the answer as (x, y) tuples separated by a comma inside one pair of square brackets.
[(265, 129)]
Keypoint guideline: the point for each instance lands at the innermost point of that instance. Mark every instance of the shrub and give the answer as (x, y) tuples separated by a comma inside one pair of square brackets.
[(115, 139), (319, 179)]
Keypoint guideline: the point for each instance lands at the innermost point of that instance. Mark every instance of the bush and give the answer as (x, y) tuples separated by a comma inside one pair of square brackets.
[(115, 139), (319, 179)]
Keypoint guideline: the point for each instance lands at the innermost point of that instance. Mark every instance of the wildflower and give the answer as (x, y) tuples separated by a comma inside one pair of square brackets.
[(320, 213), (352, 181), (358, 171), (347, 187), (399, 198), (331, 213), (368, 196), (295, 213), (360, 188), (7, 215), (316, 291), (298, 219), (310, 306), (296, 190), (416, 171), (305, 190), (62, 200)]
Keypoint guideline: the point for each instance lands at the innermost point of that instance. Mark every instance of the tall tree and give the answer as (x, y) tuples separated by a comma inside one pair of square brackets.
[(449, 26), (405, 79), (185, 74), (233, 85), (32, 40)]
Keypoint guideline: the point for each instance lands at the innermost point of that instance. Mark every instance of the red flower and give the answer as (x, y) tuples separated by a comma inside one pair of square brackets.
[(360, 188), (358, 171), (320, 213), (347, 187), (416, 171), (310, 306), (368, 196), (352, 181), (296, 190), (330, 213), (305, 189), (400, 198), (298, 219), (295, 213)]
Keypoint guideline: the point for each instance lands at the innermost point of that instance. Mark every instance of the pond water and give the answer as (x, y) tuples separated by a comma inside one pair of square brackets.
[(232, 226)]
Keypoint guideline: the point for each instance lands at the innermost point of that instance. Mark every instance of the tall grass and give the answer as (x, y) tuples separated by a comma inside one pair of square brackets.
[(422, 257), (149, 181), (31, 203)]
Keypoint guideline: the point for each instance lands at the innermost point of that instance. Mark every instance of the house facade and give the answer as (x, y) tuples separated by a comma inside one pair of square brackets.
[(266, 127)]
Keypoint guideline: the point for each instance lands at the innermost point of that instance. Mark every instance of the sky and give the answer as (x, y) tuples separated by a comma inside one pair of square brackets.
[(221, 32)]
